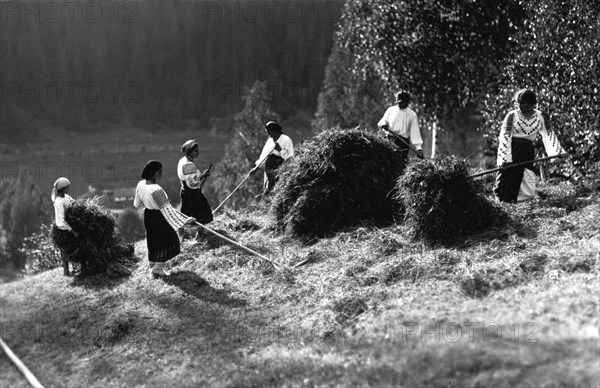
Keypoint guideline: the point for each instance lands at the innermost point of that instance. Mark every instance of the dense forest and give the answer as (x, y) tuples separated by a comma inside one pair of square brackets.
[(150, 62)]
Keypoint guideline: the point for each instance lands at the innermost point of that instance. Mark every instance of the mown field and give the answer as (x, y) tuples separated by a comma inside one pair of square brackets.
[(516, 305), (108, 160)]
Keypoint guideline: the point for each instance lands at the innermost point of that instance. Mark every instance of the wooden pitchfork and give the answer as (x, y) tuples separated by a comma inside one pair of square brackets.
[(515, 165)]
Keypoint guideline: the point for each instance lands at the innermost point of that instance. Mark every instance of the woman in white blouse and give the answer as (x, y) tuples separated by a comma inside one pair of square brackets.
[(161, 220), (519, 129), (61, 199)]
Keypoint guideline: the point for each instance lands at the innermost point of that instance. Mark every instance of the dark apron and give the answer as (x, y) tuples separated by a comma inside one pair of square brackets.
[(508, 182), (272, 164), (194, 204)]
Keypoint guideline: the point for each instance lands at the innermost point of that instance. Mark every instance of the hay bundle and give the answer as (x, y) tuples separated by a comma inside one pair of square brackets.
[(97, 247), (336, 179), (442, 203)]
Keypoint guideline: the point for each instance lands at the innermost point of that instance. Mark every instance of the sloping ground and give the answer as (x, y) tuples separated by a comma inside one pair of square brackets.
[(515, 306)]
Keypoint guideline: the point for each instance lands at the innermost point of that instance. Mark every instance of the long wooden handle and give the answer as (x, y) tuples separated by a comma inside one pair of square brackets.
[(245, 179), (28, 375), (403, 141), (514, 165), (237, 244)]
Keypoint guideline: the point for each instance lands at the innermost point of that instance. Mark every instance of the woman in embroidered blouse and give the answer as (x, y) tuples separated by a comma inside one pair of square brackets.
[(519, 129), (160, 219), (193, 202)]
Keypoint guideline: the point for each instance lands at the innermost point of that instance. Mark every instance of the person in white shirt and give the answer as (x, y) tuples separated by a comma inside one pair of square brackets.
[(277, 149), (402, 121), (193, 202), (161, 220), (515, 144), (61, 199)]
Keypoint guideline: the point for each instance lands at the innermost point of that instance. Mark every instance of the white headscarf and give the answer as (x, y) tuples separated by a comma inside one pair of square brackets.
[(60, 183)]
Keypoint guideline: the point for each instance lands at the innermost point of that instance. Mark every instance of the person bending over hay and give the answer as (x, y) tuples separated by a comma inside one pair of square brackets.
[(441, 202), (338, 179), (519, 130), (193, 202), (61, 200), (277, 149), (402, 121), (161, 220), (85, 233)]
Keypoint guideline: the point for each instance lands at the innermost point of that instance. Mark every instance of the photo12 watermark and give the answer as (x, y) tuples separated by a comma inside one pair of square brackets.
[(70, 92), (271, 11), (69, 11), (450, 332), (289, 92)]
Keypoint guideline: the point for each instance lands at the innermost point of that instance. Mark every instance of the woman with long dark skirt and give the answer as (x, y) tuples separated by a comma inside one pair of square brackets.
[(161, 220), (193, 202), (519, 129)]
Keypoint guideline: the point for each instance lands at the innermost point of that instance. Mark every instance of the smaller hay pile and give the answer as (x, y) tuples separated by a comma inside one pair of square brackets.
[(442, 204), (337, 179), (97, 247)]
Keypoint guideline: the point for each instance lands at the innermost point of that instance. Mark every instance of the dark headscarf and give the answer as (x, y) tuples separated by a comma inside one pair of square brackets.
[(150, 169), (526, 95), (274, 126)]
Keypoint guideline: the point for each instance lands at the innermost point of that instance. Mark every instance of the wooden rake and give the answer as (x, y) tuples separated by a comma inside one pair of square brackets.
[(263, 258)]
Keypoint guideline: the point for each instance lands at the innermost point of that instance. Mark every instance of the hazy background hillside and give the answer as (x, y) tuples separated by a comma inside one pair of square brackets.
[(157, 64)]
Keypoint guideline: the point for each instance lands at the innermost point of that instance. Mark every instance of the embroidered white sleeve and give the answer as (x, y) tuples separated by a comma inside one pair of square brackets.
[(174, 217), (551, 143), (504, 146)]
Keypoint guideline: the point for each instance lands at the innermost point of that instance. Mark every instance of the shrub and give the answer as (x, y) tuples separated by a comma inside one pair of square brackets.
[(131, 226), (442, 203), (337, 179), (40, 253)]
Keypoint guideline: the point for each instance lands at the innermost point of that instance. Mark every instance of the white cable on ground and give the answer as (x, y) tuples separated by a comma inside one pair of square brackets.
[(28, 375)]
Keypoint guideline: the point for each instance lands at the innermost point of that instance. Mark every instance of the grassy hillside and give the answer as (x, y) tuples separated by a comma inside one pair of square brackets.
[(512, 306)]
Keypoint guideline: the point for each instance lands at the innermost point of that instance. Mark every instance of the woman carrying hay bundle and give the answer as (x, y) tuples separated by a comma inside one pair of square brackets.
[(161, 220), (62, 230), (193, 202), (278, 148), (402, 121), (519, 129)]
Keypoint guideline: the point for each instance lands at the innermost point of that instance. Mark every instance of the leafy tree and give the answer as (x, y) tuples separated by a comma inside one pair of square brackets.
[(23, 209), (557, 57), (445, 52), (245, 147), (347, 99)]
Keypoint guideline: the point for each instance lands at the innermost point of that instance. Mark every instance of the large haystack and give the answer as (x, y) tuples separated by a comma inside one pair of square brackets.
[(442, 203), (337, 179), (97, 247)]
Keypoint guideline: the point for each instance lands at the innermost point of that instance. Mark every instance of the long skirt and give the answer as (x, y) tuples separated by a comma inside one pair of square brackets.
[(272, 164), (515, 183), (194, 204), (162, 240)]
